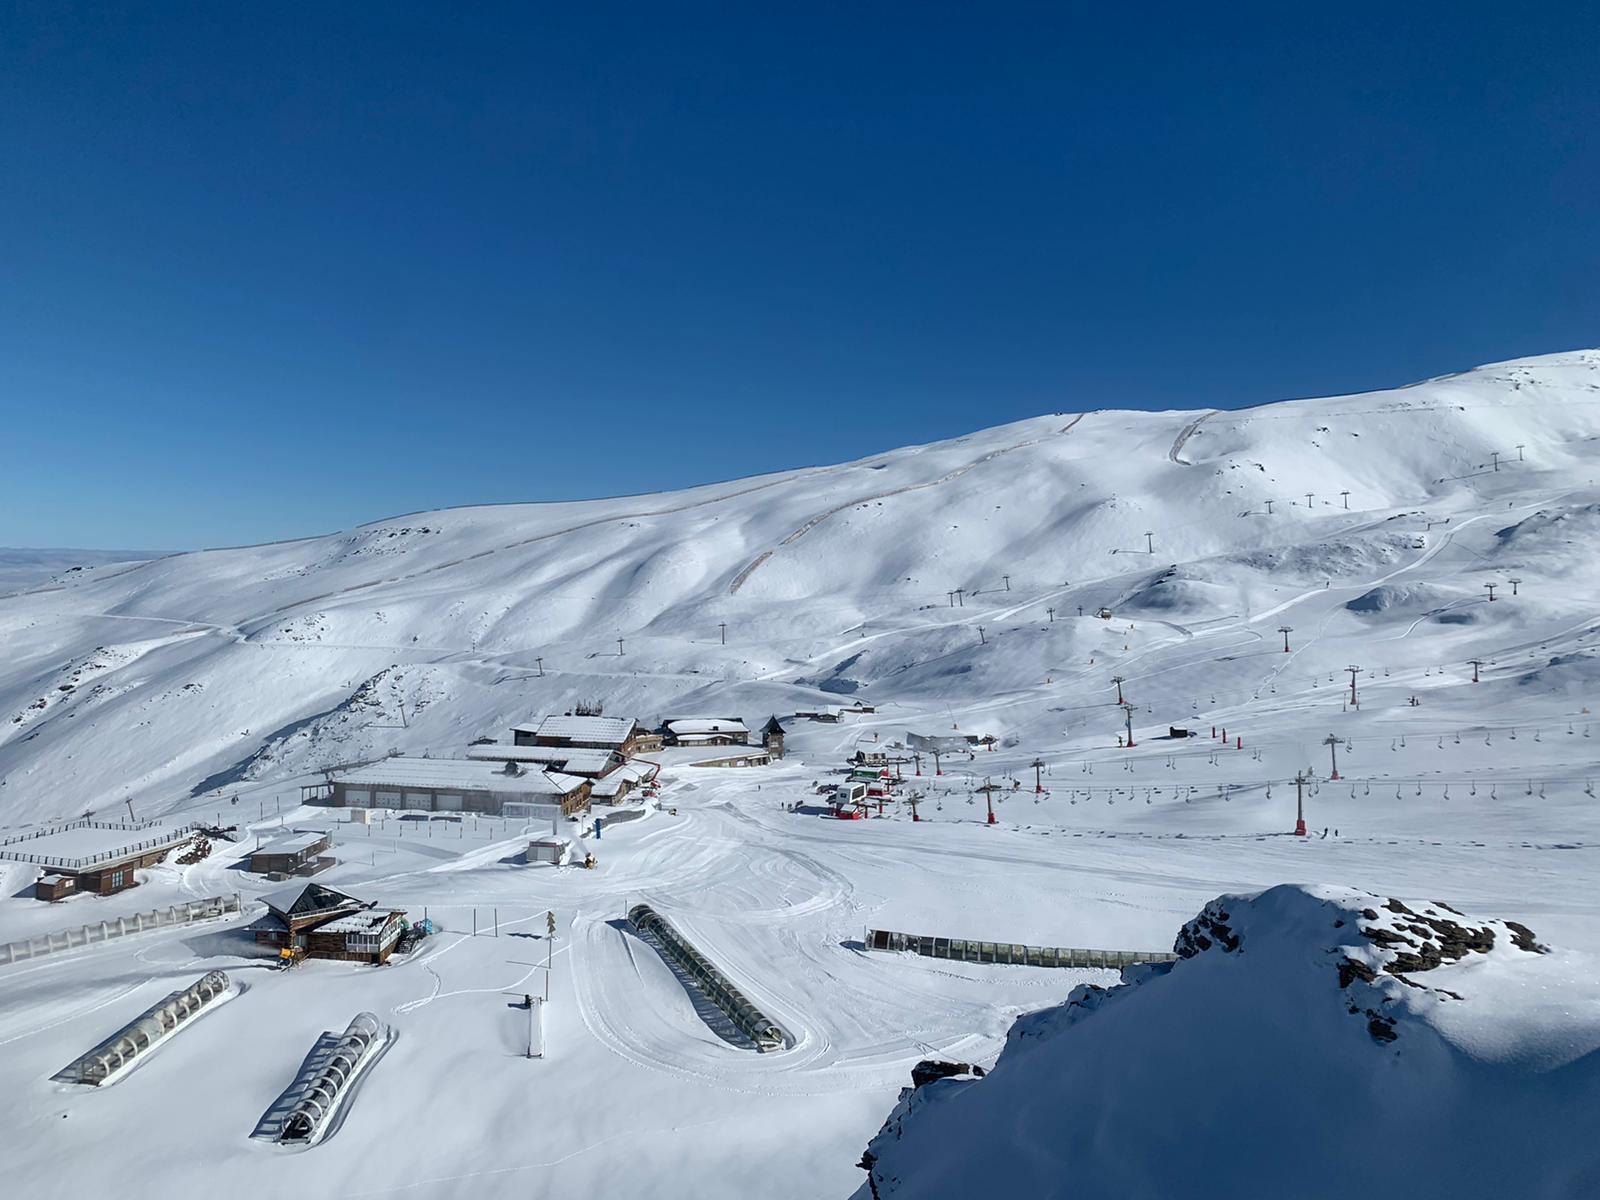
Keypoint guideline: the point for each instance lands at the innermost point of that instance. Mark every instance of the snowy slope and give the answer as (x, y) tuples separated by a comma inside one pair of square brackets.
[(1313, 1042), (214, 684), (186, 667)]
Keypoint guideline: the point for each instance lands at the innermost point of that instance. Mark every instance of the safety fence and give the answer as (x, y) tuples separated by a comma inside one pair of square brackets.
[(762, 1030), (80, 823), (168, 838), (146, 1032), (1015, 954), (209, 908)]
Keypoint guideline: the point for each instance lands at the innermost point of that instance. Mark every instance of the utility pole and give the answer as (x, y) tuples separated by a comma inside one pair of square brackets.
[(912, 800), (539, 662), (1308, 499), (1519, 451), (988, 798), (1476, 663), (1491, 587), (951, 597), (1286, 630), (722, 627), (937, 769), (1127, 712), (1052, 613), (1513, 583), (961, 601), (1117, 679), (1354, 671), (1007, 578), (1345, 496), (1149, 543), (981, 640), (1038, 776), (1332, 743), (619, 647), (1299, 804), (1269, 507), (1495, 455)]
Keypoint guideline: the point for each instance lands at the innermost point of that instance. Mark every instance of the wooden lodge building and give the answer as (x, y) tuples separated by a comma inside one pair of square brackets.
[(100, 858), (706, 731), (623, 735), (468, 785), (314, 921), (293, 854)]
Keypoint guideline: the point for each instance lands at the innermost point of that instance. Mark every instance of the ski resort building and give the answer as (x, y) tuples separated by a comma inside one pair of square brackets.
[(706, 731), (293, 854), (772, 737), (586, 764), (620, 734), (611, 775), (313, 921), (100, 857), (507, 789)]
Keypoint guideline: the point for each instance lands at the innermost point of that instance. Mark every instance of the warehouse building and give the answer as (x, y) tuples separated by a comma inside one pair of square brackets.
[(459, 785)]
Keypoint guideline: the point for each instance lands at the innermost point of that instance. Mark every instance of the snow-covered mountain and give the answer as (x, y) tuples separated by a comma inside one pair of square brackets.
[(1310, 1042), (1256, 567), (154, 680)]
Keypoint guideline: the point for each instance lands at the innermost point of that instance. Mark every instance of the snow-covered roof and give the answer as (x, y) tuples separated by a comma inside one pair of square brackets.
[(610, 731), (571, 760), (686, 726), (304, 898), (462, 774), (294, 843), (369, 920)]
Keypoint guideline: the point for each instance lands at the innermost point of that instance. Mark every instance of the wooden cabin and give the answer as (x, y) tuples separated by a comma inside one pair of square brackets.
[(322, 922)]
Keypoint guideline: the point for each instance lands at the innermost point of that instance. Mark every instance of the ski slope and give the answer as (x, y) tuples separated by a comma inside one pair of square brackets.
[(186, 683)]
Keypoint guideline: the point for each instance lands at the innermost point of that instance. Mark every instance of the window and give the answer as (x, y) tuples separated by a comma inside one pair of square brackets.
[(116, 878)]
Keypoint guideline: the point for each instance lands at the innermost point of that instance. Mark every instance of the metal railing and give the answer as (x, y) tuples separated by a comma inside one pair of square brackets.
[(1011, 953), (209, 908), (171, 838)]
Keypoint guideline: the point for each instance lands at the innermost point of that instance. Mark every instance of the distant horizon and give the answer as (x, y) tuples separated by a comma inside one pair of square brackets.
[(132, 553), (278, 272)]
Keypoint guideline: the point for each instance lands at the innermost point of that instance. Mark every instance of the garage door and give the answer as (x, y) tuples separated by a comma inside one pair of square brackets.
[(358, 799), (388, 799), (446, 803), (420, 801)]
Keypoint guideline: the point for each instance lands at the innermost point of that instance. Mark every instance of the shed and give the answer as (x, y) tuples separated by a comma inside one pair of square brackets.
[(55, 887), (553, 849)]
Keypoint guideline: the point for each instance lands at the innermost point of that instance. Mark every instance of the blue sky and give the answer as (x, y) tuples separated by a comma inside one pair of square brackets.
[(274, 270)]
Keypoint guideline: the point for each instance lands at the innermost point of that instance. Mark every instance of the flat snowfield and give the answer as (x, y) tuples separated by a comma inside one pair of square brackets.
[(942, 585)]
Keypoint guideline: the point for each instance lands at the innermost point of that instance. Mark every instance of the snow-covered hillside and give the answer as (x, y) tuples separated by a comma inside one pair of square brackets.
[(954, 589), (148, 682), (1313, 1043)]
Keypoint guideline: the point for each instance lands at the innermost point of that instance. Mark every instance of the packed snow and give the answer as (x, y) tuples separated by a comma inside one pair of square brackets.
[(954, 590)]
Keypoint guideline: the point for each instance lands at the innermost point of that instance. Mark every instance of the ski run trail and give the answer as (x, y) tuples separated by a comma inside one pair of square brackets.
[(952, 587)]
